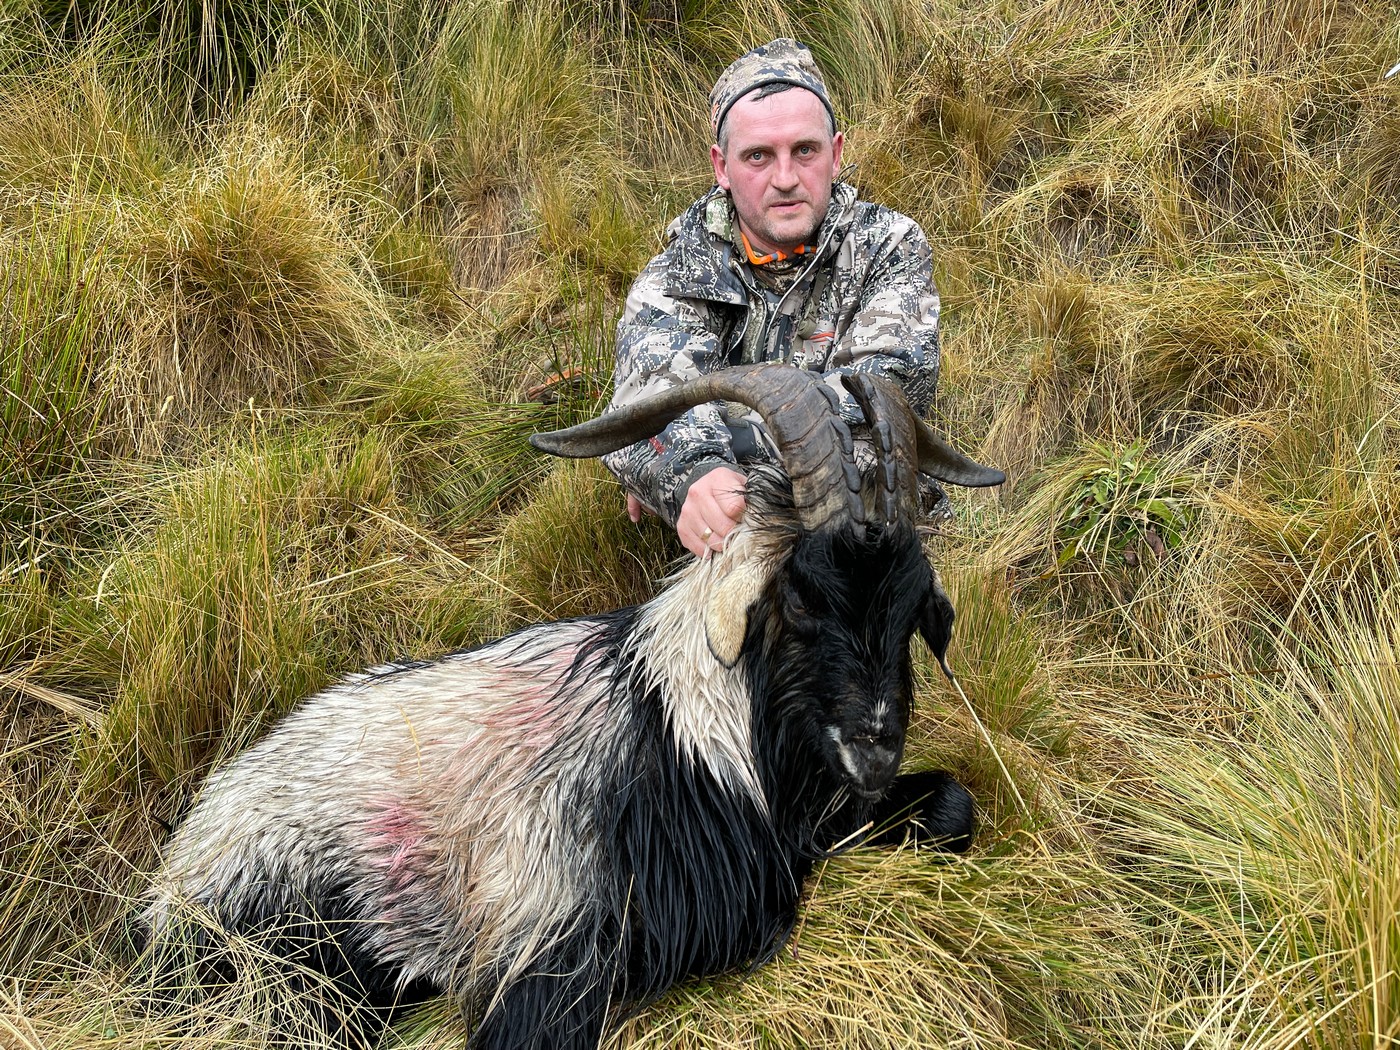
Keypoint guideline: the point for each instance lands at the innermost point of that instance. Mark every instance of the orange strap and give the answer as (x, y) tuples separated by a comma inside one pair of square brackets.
[(779, 256)]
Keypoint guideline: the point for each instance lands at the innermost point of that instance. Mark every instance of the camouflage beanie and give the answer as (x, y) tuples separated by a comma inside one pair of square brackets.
[(781, 61)]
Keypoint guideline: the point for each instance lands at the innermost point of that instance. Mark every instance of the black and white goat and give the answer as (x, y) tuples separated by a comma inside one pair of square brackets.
[(575, 817)]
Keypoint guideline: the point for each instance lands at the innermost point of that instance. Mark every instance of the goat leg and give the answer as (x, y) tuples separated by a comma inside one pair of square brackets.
[(562, 1003), (930, 808)]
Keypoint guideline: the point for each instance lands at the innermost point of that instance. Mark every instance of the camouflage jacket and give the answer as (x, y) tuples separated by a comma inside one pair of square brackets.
[(863, 301)]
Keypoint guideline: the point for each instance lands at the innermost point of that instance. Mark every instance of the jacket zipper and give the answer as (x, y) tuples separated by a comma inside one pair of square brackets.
[(757, 296), (817, 257)]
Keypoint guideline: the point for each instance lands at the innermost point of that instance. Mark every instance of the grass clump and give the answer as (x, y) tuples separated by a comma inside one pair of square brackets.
[(51, 404), (250, 292), (594, 559), (77, 124), (281, 564), (1287, 829), (869, 946)]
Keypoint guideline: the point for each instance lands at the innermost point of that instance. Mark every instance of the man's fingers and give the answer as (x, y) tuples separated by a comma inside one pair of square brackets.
[(699, 538), (730, 503), (636, 508), (719, 497), (712, 508), (692, 542)]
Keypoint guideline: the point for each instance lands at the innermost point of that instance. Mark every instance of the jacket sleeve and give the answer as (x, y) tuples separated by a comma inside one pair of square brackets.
[(661, 342), (893, 330)]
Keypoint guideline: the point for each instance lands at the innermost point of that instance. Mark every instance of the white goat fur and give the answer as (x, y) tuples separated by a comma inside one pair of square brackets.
[(425, 787)]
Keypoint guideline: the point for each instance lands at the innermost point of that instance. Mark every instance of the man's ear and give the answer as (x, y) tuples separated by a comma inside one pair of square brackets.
[(721, 169), (936, 623)]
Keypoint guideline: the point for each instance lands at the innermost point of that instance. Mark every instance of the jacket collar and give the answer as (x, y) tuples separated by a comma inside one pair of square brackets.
[(705, 241)]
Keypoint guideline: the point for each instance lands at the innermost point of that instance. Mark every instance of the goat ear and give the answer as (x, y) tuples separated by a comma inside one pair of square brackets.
[(727, 611), (936, 623)]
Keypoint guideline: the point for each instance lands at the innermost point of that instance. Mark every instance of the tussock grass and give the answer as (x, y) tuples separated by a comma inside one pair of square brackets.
[(277, 279), (1000, 662), (872, 965), (250, 292), (266, 568), (1286, 826), (75, 122), (594, 558), (53, 407), (454, 427)]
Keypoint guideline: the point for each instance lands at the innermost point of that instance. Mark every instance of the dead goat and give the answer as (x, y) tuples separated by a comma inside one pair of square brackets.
[(565, 822)]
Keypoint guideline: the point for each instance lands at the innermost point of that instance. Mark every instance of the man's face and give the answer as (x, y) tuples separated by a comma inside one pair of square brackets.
[(778, 168)]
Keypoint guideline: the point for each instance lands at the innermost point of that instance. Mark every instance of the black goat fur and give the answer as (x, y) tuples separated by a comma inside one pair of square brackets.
[(700, 878)]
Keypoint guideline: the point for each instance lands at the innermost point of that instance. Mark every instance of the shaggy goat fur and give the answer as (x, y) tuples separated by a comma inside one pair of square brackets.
[(573, 818)]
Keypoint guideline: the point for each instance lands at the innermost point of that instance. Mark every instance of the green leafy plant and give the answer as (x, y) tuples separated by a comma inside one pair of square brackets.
[(1121, 505)]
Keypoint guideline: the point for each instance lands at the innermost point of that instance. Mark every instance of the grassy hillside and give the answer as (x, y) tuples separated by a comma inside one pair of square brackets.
[(275, 276)]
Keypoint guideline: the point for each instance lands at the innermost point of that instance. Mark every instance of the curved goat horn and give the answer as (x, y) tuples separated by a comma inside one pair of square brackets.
[(893, 434), (944, 462), (898, 433), (797, 407)]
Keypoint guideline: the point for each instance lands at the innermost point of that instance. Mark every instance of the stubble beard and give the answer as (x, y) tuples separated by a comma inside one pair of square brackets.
[(770, 233)]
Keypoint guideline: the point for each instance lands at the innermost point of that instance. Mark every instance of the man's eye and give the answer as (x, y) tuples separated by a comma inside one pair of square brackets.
[(806, 151), (756, 155)]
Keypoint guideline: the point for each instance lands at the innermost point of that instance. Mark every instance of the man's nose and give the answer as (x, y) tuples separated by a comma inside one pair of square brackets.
[(785, 174)]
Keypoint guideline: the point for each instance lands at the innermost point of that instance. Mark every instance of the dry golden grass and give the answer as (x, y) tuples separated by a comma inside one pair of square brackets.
[(249, 291), (293, 277)]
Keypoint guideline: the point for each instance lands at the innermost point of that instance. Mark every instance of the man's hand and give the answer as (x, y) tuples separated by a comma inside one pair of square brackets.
[(713, 506)]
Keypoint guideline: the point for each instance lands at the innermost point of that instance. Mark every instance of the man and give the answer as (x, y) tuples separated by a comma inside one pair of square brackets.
[(778, 262)]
